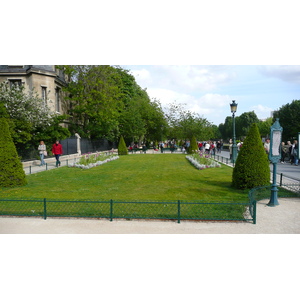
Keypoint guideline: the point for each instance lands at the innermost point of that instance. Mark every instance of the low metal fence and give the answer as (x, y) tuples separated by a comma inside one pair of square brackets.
[(113, 209)]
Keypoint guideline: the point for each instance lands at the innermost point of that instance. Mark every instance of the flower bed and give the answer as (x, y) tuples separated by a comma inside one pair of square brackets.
[(88, 161), (201, 162)]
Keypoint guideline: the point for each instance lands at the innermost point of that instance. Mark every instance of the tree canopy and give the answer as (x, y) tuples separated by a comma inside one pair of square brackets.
[(289, 119)]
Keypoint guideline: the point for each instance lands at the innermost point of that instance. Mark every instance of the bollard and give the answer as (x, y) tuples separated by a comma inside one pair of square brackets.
[(178, 217), (111, 210), (45, 209)]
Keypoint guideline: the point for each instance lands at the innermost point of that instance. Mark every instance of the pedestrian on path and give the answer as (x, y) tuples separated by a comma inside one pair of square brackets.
[(42, 152), (57, 151)]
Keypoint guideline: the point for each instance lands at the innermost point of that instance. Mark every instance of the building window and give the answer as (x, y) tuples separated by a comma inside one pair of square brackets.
[(44, 94), (15, 82), (57, 95)]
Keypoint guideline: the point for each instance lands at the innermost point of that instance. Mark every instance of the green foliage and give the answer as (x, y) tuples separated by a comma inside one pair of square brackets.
[(184, 124), (289, 116), (193, 146), (252, 165), (11, 169), (29, 119), (122, 149)]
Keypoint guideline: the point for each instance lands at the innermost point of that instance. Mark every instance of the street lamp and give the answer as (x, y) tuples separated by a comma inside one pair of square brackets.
[(233, 107)]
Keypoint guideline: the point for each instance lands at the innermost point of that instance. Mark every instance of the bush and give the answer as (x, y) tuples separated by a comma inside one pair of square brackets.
[(11, 169), (252, 164), (193, 146), (122, 149)]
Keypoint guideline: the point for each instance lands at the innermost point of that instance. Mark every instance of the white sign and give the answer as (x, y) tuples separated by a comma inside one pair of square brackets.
[(276, 143)]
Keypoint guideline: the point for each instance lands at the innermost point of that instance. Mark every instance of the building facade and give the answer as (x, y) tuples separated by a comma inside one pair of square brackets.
[(46, 80)]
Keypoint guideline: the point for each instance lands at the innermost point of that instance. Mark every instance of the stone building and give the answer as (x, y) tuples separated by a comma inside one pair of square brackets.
[(46, 80)]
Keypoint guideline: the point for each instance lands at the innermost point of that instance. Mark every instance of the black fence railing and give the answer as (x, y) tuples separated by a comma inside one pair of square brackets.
[(112, 209)]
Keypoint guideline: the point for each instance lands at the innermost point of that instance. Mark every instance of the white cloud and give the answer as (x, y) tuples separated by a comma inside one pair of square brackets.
[(262, 111), (286, 73), (183, 78), (210, 106)]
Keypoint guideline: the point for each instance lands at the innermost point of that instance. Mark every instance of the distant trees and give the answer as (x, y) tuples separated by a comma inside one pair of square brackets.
[(242, 125), (184, 124), (289, 119)]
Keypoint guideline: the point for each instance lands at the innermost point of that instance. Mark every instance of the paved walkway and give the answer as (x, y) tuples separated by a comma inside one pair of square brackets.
[(281, 219)]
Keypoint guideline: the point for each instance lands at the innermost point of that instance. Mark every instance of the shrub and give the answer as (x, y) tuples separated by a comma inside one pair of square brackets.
[(122, 149), (252, 164), (193, 146), (11, 169)]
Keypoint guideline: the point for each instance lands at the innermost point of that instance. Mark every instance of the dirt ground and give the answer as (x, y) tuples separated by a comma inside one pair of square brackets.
[(284, 218)]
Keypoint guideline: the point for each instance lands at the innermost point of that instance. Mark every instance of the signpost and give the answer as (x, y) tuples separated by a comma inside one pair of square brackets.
[(274, 157)]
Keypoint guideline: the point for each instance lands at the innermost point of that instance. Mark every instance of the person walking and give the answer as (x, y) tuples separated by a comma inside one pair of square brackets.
[(57, 151), (42, 152), (283, 150), (294, 153)]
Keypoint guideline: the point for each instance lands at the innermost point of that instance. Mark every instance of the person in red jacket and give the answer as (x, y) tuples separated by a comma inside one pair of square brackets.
[(57, 151)]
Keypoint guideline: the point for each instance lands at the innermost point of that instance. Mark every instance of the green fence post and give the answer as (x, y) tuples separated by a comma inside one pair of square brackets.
[(45, 209), (281, 179), (46, 166), (111, 210), (178, 206), (254, 212), (29, 169)]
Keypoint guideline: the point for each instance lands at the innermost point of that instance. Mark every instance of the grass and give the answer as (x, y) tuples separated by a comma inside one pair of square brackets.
[(137, 178)]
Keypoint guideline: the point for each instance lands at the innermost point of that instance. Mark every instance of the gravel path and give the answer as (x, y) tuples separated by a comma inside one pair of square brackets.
[(284, 218)]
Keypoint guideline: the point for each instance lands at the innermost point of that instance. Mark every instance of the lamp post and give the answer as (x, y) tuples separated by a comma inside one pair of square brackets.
[(233, 107)]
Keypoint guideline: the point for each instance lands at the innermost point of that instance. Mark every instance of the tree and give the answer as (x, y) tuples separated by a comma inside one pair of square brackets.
[(252, 164), (193, 146), (94, 101), (289, 116), (122, 149), (29, 118), (243, 123), (265, 126), (11, 169), (185, 124)]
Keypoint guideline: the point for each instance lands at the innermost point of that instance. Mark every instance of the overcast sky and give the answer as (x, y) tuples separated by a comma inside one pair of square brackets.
[(208, 90)]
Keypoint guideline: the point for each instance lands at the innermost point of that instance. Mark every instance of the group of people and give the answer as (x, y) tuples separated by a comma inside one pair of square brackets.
[(290, 150), (286, 150), (57, 151)]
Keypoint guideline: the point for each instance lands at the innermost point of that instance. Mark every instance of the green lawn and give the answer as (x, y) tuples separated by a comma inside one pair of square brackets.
[(151, 177)]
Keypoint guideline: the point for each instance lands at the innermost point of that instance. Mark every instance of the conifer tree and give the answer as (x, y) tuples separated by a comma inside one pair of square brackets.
[(122, 149), (11, 169), (193, 146), (252, 164)]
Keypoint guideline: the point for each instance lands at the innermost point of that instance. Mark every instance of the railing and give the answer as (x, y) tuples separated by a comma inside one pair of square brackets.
[(112, 209)]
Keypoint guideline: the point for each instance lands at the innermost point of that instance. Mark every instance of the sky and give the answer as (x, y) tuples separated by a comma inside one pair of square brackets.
[(208, 90)]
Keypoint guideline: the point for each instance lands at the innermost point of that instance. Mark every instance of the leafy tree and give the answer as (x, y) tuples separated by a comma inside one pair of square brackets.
[(29, 118), (26, 112), (243, 123), (94, 100), (11, 169), (122, 149), (185, 124), (252, 164), (264, 126), (289, 116)]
